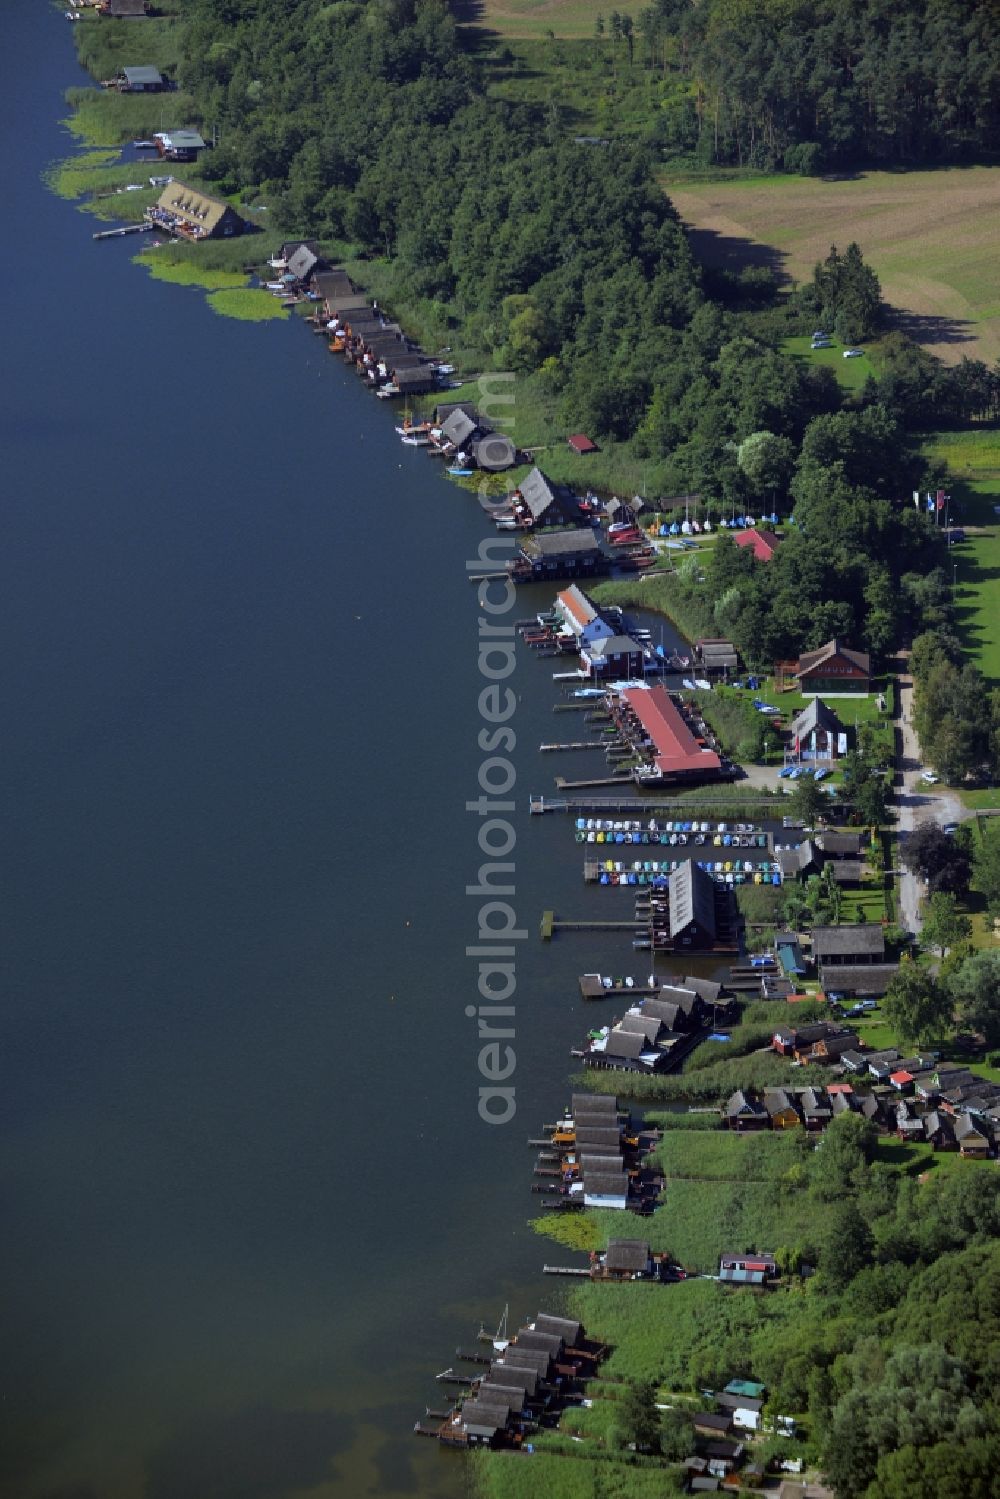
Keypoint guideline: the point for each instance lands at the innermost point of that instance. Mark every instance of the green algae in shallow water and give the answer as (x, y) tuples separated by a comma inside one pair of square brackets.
[(187, 273), (246, 303), (86, 172)]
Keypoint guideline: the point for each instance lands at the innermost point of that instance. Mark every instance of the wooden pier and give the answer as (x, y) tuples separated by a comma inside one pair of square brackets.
[(564, 1270), (126, 229), (616, 780), (635, 806), (550, 925), (580, 744)]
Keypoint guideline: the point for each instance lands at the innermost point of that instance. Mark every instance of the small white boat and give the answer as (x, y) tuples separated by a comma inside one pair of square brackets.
[(416, 440)]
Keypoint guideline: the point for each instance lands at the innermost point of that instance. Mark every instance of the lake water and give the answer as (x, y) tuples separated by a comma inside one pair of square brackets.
[(250, 1206)]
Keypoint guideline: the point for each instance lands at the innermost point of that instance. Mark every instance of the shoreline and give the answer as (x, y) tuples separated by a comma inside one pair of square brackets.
[(487, 1482)]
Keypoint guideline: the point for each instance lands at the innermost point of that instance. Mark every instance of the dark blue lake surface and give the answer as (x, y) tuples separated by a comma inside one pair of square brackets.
[(250, 1206)]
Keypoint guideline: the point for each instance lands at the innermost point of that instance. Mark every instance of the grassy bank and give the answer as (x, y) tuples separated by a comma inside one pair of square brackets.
[(667, 593), (706, 1084)]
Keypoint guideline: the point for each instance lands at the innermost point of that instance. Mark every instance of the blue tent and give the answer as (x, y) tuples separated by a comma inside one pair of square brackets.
[(675, 529)]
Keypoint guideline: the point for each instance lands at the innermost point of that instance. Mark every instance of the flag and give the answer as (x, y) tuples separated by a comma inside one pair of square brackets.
[(940, 499), (916, 499), (930, 502)]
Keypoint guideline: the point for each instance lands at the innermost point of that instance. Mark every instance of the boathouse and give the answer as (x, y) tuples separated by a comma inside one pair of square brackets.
[(141, 80), (744, 1111), (716, 657), (833, 668), (624, 512), (626, 1259), (539, 502), (457, 429), (412, 379), (692, 906), (603, 1191), (616, 658), (302, 262), (494, 452), (579, 615), (124, 10), (656, 724), (179, 145), (560, 554), (193, 215)]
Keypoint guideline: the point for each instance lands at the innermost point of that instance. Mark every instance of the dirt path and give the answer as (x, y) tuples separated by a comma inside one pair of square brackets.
[(917, 803)]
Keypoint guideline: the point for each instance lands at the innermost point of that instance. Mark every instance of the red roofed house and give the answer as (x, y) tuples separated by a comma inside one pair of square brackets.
[(901, 1080), (581, 443), (763, 544), (653, 718)]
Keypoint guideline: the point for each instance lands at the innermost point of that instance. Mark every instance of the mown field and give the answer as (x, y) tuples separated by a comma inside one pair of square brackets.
[(567, 19), (974, 458), (851, 374), (930, 236)]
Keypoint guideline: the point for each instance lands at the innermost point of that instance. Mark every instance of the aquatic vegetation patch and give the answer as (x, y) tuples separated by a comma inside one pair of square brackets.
[(247, 304), (187, 273), (87, 172)]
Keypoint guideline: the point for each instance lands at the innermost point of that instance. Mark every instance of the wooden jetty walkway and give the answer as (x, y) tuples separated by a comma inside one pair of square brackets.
[(638, 806), (564, 1270), (126, 229), (549, 926), (580, 744), (615, 780)]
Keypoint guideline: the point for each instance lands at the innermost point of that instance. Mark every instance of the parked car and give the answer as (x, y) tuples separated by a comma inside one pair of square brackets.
[(853, 353), (930, 777), (950, 828)]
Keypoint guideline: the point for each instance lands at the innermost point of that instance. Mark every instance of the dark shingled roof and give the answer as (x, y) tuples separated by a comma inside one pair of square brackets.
[(706, 989), (645, 1025), (510, 1377), (841, 941), (662, 1013), (602, 1165), (567, 1328), (545, 1342), (627, 1044), (594, 1103), (560, 543), (606, 1186), (479, 1414), (518, 1357), (592, 1138), (496, 451), (630, 1255), (860, 978)]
